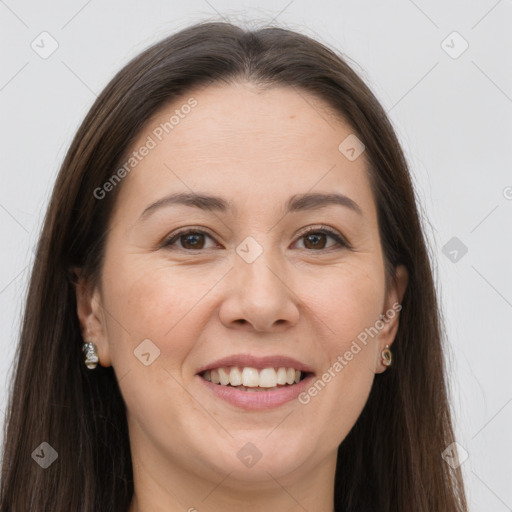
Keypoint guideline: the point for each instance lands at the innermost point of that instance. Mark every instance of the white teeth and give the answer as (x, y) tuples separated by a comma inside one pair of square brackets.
[(249, 377), (223, 376), (235, 377), (281, 376), (256, 390), (268, 378), (214, 374)]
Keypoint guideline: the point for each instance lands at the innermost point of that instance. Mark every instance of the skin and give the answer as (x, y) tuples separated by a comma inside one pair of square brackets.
[(255, 149)]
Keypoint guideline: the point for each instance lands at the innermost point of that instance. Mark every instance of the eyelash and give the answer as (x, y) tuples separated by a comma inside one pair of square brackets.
[(341, 242)]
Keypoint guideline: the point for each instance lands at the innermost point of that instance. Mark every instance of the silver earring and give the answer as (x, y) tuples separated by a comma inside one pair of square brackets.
[(387, 356), (91, 355)]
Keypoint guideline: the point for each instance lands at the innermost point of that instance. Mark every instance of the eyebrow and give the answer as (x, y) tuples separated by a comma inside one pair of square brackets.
[(314, 201), (296, 203)]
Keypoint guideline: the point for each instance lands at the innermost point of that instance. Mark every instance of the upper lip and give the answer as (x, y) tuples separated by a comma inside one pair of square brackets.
[(244, 360)]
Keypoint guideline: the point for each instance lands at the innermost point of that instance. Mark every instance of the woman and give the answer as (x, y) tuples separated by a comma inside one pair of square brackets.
[(232, 305)]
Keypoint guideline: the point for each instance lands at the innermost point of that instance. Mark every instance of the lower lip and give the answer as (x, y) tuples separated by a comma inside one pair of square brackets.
[(257, 400)]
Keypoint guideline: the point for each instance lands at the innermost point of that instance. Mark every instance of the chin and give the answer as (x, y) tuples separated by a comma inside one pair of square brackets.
[(259, 459)]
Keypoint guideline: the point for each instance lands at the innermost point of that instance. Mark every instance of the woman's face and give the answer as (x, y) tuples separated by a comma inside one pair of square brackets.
[(265, 269)]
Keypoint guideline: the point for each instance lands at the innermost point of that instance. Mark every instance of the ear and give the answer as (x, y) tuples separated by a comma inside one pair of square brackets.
[(91, 316), (391, 313)]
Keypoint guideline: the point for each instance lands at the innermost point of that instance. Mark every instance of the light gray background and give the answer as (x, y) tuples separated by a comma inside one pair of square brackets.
[(453, 116)]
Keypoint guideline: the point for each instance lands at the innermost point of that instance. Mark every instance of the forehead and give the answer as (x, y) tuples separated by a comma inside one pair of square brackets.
[(241, 140)]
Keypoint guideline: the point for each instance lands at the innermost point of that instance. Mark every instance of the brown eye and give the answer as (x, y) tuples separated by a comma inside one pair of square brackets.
[(188, 240), (316, 239), (192, 241)]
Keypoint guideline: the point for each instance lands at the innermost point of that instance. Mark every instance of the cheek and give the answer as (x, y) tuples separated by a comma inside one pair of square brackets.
[(347, 303), (148, 300), (154, 318), (346, 300)]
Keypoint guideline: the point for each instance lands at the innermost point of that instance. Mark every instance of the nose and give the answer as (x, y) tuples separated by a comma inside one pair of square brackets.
[(259, 296)]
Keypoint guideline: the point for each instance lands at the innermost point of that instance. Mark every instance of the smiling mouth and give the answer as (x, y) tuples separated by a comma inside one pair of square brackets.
[(253, 380)]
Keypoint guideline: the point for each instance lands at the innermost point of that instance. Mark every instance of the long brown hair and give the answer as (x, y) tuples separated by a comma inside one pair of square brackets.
[(391, 459)]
